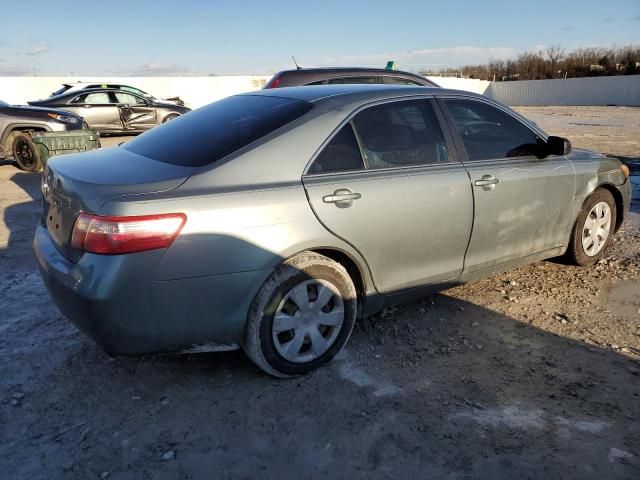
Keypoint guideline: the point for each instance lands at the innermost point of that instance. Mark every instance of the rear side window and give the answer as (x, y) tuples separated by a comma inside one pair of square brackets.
[(351, 80), (210, 133), (490, 133), (401, 134), (341, 154), (93, 98), (398, 81)]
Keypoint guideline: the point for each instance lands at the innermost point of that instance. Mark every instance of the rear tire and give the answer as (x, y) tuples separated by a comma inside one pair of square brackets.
[(593, 230), (26, 154), (302, 316)]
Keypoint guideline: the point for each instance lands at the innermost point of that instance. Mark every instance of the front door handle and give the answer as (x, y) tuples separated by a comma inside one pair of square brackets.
[(343, 197), (487, 182)]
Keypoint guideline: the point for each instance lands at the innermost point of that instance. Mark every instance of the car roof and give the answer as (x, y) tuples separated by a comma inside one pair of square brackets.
[(306, 76), (348, 69), (84, 91), (79, 84), (354, 92)]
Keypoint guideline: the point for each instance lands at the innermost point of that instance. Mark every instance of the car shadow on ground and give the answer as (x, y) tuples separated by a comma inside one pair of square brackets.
[(438, 388), (20, 218)]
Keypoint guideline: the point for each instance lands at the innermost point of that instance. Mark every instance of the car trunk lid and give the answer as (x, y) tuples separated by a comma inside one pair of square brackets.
[(84, 182)]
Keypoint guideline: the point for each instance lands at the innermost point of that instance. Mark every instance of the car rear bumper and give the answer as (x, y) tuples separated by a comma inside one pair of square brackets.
[(116, 301)]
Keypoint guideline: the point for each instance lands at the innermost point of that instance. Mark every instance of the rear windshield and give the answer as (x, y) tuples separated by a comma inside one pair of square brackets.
[(210, 133), (61, 90)]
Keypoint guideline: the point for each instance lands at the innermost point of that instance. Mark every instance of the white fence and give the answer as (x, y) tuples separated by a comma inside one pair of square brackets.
[(198, 91), (622, 90), (466, 84)]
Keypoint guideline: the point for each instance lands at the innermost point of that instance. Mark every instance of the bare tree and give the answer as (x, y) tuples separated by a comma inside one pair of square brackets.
[(582, 62), (555, 53)]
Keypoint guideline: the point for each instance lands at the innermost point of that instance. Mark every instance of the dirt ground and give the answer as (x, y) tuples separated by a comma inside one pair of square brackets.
[(531, 374)]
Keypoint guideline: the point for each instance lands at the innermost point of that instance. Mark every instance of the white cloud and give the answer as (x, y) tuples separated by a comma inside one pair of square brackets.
[(38, 50), (452, 57), (156, 69)]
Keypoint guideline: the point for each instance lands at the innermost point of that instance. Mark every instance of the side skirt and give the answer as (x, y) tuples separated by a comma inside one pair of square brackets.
[(377, 302)]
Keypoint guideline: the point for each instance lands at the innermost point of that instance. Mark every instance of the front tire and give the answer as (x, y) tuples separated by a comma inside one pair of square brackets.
[(302, 316), (170, 117), (593, 230), (26, 154)]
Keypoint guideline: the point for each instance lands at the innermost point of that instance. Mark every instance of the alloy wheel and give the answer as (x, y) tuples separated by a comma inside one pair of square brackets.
[(25, 154)]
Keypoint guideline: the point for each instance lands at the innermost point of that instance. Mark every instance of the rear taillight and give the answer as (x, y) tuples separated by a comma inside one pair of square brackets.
[(275, 81), (115, 235)]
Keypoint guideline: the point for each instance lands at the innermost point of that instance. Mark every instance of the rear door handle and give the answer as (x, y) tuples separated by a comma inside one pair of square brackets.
[(488, 182), (343, 197)]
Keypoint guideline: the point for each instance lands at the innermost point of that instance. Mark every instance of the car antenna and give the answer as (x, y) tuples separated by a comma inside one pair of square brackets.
[(294, 61)]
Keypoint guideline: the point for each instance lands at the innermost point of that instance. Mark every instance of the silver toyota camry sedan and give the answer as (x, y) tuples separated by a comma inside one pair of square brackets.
[(270, 221)]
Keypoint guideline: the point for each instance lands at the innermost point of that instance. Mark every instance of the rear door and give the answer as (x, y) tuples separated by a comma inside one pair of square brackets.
[(97, 109), (135, 111), (523, 202), (388, 183)]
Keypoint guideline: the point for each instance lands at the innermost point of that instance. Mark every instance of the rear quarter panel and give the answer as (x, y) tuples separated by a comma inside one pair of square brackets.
[(235, 232)]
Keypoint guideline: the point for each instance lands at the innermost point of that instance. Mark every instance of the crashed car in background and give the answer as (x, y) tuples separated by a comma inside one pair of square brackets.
[(75, 87), (110, 110)]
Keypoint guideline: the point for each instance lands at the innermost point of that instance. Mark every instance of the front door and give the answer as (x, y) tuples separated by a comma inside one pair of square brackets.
[(523, 199), (136, 113), (388, 184)]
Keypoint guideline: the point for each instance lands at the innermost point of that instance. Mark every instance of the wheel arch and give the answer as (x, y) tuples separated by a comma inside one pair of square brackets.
[(354, 268), (21, 127), (617, 197), (170, 114)]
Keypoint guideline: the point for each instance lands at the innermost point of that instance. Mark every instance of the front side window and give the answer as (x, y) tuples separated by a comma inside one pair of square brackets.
[(127, 98), (490, 133), (400, 134), (137, 91)]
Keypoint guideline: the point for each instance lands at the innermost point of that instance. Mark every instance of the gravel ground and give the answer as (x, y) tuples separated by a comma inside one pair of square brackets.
[(531, 374)]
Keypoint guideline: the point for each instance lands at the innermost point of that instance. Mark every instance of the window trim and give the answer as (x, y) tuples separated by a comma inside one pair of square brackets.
[(459, 142), (444, 128)]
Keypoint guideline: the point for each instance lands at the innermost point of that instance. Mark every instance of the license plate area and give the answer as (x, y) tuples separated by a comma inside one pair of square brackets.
[(54, 218)]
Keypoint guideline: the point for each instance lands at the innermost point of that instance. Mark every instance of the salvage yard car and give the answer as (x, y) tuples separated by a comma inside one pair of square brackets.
[(75, 87), (271, 220), (115, 111), (345, 75), (19, 123)]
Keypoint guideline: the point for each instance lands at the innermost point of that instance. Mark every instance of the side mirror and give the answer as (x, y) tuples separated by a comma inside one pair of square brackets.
[(558, 146)]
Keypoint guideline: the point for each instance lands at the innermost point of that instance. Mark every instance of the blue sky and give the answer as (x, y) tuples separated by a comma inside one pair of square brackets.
[(197, 37)]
